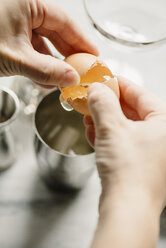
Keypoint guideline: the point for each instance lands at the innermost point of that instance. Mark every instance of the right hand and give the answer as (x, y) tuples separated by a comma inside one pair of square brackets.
[(130, 144), (23, 51), (129, 140)]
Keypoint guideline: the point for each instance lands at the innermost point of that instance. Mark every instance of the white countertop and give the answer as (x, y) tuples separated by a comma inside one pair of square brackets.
[(32, 216)]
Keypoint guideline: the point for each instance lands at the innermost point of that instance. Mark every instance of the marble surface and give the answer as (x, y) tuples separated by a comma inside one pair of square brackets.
[(31, 215)]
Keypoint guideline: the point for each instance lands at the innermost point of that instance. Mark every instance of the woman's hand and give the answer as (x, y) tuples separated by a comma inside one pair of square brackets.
[(23, 51), (130, 143)]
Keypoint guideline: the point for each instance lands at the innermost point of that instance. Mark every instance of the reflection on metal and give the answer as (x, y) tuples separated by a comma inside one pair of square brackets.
[(9, 106), (64, 156)]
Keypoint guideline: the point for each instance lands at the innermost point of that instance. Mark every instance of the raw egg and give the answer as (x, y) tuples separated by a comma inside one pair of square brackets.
[(91, 69)]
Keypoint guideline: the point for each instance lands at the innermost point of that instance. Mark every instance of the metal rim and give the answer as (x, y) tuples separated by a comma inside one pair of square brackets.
[(17, 106)]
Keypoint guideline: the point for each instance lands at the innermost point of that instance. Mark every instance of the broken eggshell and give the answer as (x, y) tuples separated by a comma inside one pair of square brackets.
[(91, 69)]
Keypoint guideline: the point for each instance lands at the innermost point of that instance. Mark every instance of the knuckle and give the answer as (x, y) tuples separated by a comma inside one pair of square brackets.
[(17, 66), (103, 164), (47, 73), (104, 129), (64, 21), (9, 64)]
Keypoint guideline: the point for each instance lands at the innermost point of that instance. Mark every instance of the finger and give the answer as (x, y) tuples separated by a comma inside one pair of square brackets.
[(104, 108), (87, 120), (61, 45), (47, 70), (129, 112), (90, 135), (138, 99), (39, 44), (55, 19), (45, 86)]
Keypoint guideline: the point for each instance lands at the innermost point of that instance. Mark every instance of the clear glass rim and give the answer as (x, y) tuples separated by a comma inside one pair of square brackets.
[(114, 38)]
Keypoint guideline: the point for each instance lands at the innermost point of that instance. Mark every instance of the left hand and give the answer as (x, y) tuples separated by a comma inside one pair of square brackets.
[(23, 51)]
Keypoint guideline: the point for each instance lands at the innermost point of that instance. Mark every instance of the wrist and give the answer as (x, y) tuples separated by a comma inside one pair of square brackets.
[(130, 195), (127, 218)]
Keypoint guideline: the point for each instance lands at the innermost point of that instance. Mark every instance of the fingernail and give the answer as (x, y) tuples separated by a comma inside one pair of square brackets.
[(70, 79), (96, 85)]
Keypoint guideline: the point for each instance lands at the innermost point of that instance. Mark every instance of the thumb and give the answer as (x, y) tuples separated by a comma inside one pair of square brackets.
[(105, 109), (47, 70)]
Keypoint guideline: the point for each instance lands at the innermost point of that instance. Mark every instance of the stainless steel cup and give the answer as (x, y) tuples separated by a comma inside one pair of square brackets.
[(65, 158), (28, 93), (9, 107)]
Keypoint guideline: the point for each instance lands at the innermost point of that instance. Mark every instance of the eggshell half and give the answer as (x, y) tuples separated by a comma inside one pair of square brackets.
[(90, 68), (82, 62)]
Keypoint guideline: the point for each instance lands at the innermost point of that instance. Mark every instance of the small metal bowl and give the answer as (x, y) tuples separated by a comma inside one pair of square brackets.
[(9, 108), (65, 159)]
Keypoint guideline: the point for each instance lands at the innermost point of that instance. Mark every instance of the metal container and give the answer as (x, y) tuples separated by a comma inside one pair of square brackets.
[(65, 158), (9, 107), (28, 93)]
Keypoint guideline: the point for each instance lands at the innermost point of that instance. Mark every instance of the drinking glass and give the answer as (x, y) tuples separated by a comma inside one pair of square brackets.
[(130, 22)]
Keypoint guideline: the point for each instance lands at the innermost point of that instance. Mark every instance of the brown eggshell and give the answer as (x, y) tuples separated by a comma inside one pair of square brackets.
[(81, 105), (82, 62)]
